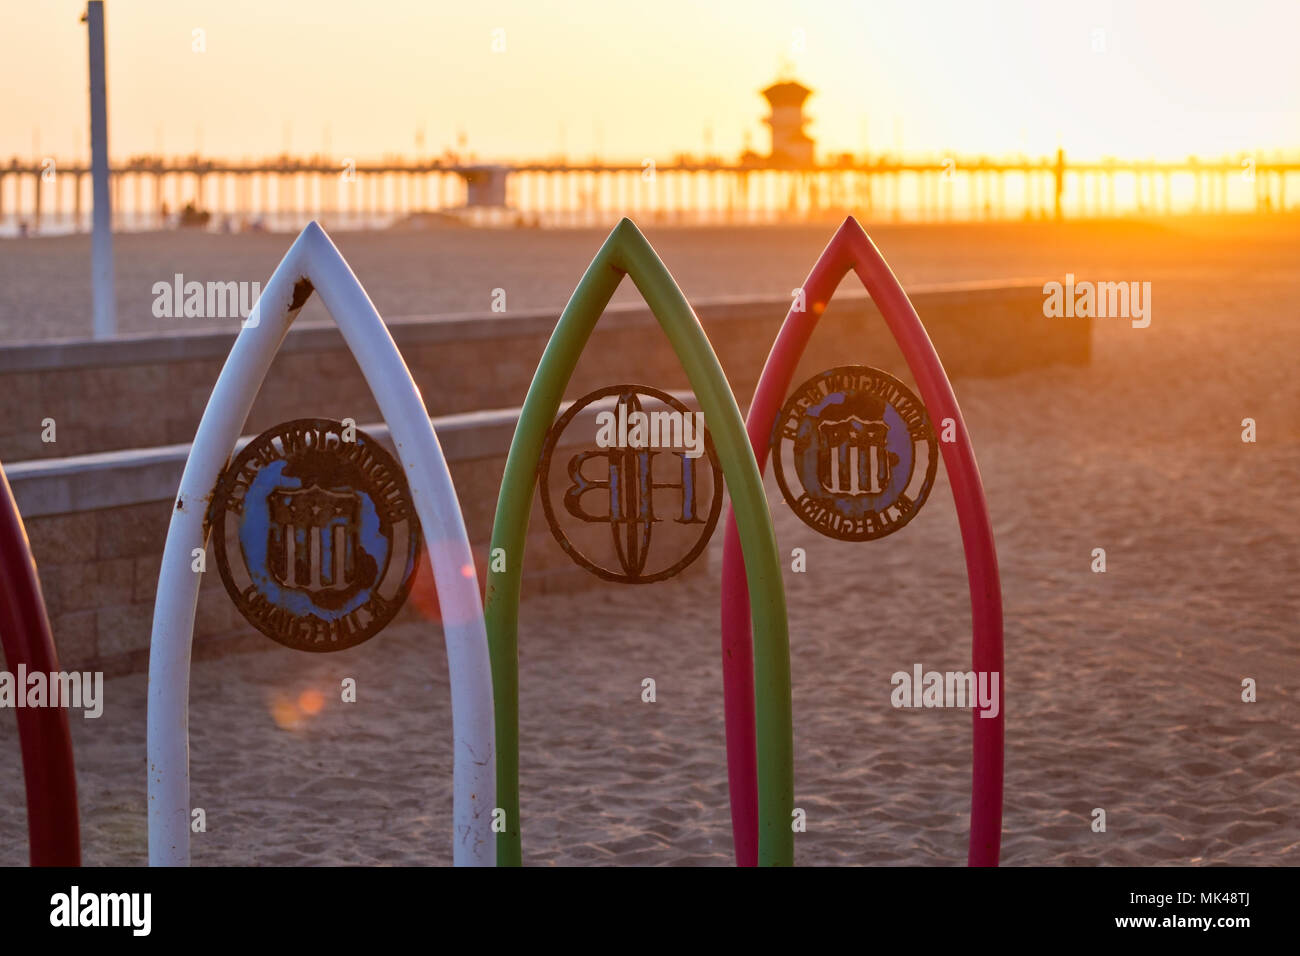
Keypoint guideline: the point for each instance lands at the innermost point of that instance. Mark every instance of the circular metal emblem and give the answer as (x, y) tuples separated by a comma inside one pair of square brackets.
[(315, 534), (634, 483), (858, 445)]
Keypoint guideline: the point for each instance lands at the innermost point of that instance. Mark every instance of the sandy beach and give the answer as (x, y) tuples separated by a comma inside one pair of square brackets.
[(1123, 688), (46, 281)]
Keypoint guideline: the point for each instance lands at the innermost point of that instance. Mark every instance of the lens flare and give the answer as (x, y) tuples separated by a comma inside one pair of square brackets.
[(311, 702), (285, 713)]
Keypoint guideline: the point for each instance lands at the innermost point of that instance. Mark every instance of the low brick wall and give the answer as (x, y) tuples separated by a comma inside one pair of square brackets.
[(97, 525), (148, 391), (97, 502)]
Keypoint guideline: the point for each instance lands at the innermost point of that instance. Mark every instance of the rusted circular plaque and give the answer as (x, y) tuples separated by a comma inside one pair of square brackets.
[(854, 453), (315, 534), (635, 469)]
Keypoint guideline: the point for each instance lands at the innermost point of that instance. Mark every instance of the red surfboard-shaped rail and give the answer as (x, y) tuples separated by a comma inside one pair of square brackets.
[(53, 826), (852, 249)]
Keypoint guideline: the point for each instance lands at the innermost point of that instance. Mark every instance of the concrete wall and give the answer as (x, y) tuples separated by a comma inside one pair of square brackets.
[(98, 500), (146, 391), (97, 524)]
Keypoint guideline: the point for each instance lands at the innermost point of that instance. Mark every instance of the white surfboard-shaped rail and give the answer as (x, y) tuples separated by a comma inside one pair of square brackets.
[(313, 263)]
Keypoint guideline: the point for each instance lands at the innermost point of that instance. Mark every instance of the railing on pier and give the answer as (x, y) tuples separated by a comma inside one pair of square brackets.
[(150, 193)]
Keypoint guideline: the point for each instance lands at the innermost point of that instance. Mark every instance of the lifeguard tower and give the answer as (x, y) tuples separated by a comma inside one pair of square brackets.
[(791, 146)]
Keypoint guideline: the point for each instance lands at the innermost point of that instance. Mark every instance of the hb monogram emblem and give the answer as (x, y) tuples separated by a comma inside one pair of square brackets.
[(648, 481)]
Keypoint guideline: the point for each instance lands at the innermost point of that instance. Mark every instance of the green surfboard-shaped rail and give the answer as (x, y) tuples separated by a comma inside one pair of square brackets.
[(627, 252)]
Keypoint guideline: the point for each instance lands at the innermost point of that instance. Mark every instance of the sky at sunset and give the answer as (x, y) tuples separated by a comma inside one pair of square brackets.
[(633, 80)]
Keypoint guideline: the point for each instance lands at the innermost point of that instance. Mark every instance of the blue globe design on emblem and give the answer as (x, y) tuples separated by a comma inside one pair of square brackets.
[(281, 529), (854, 451), (315, 535)]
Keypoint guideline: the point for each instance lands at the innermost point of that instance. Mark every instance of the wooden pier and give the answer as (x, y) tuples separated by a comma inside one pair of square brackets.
[(150, 192)]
